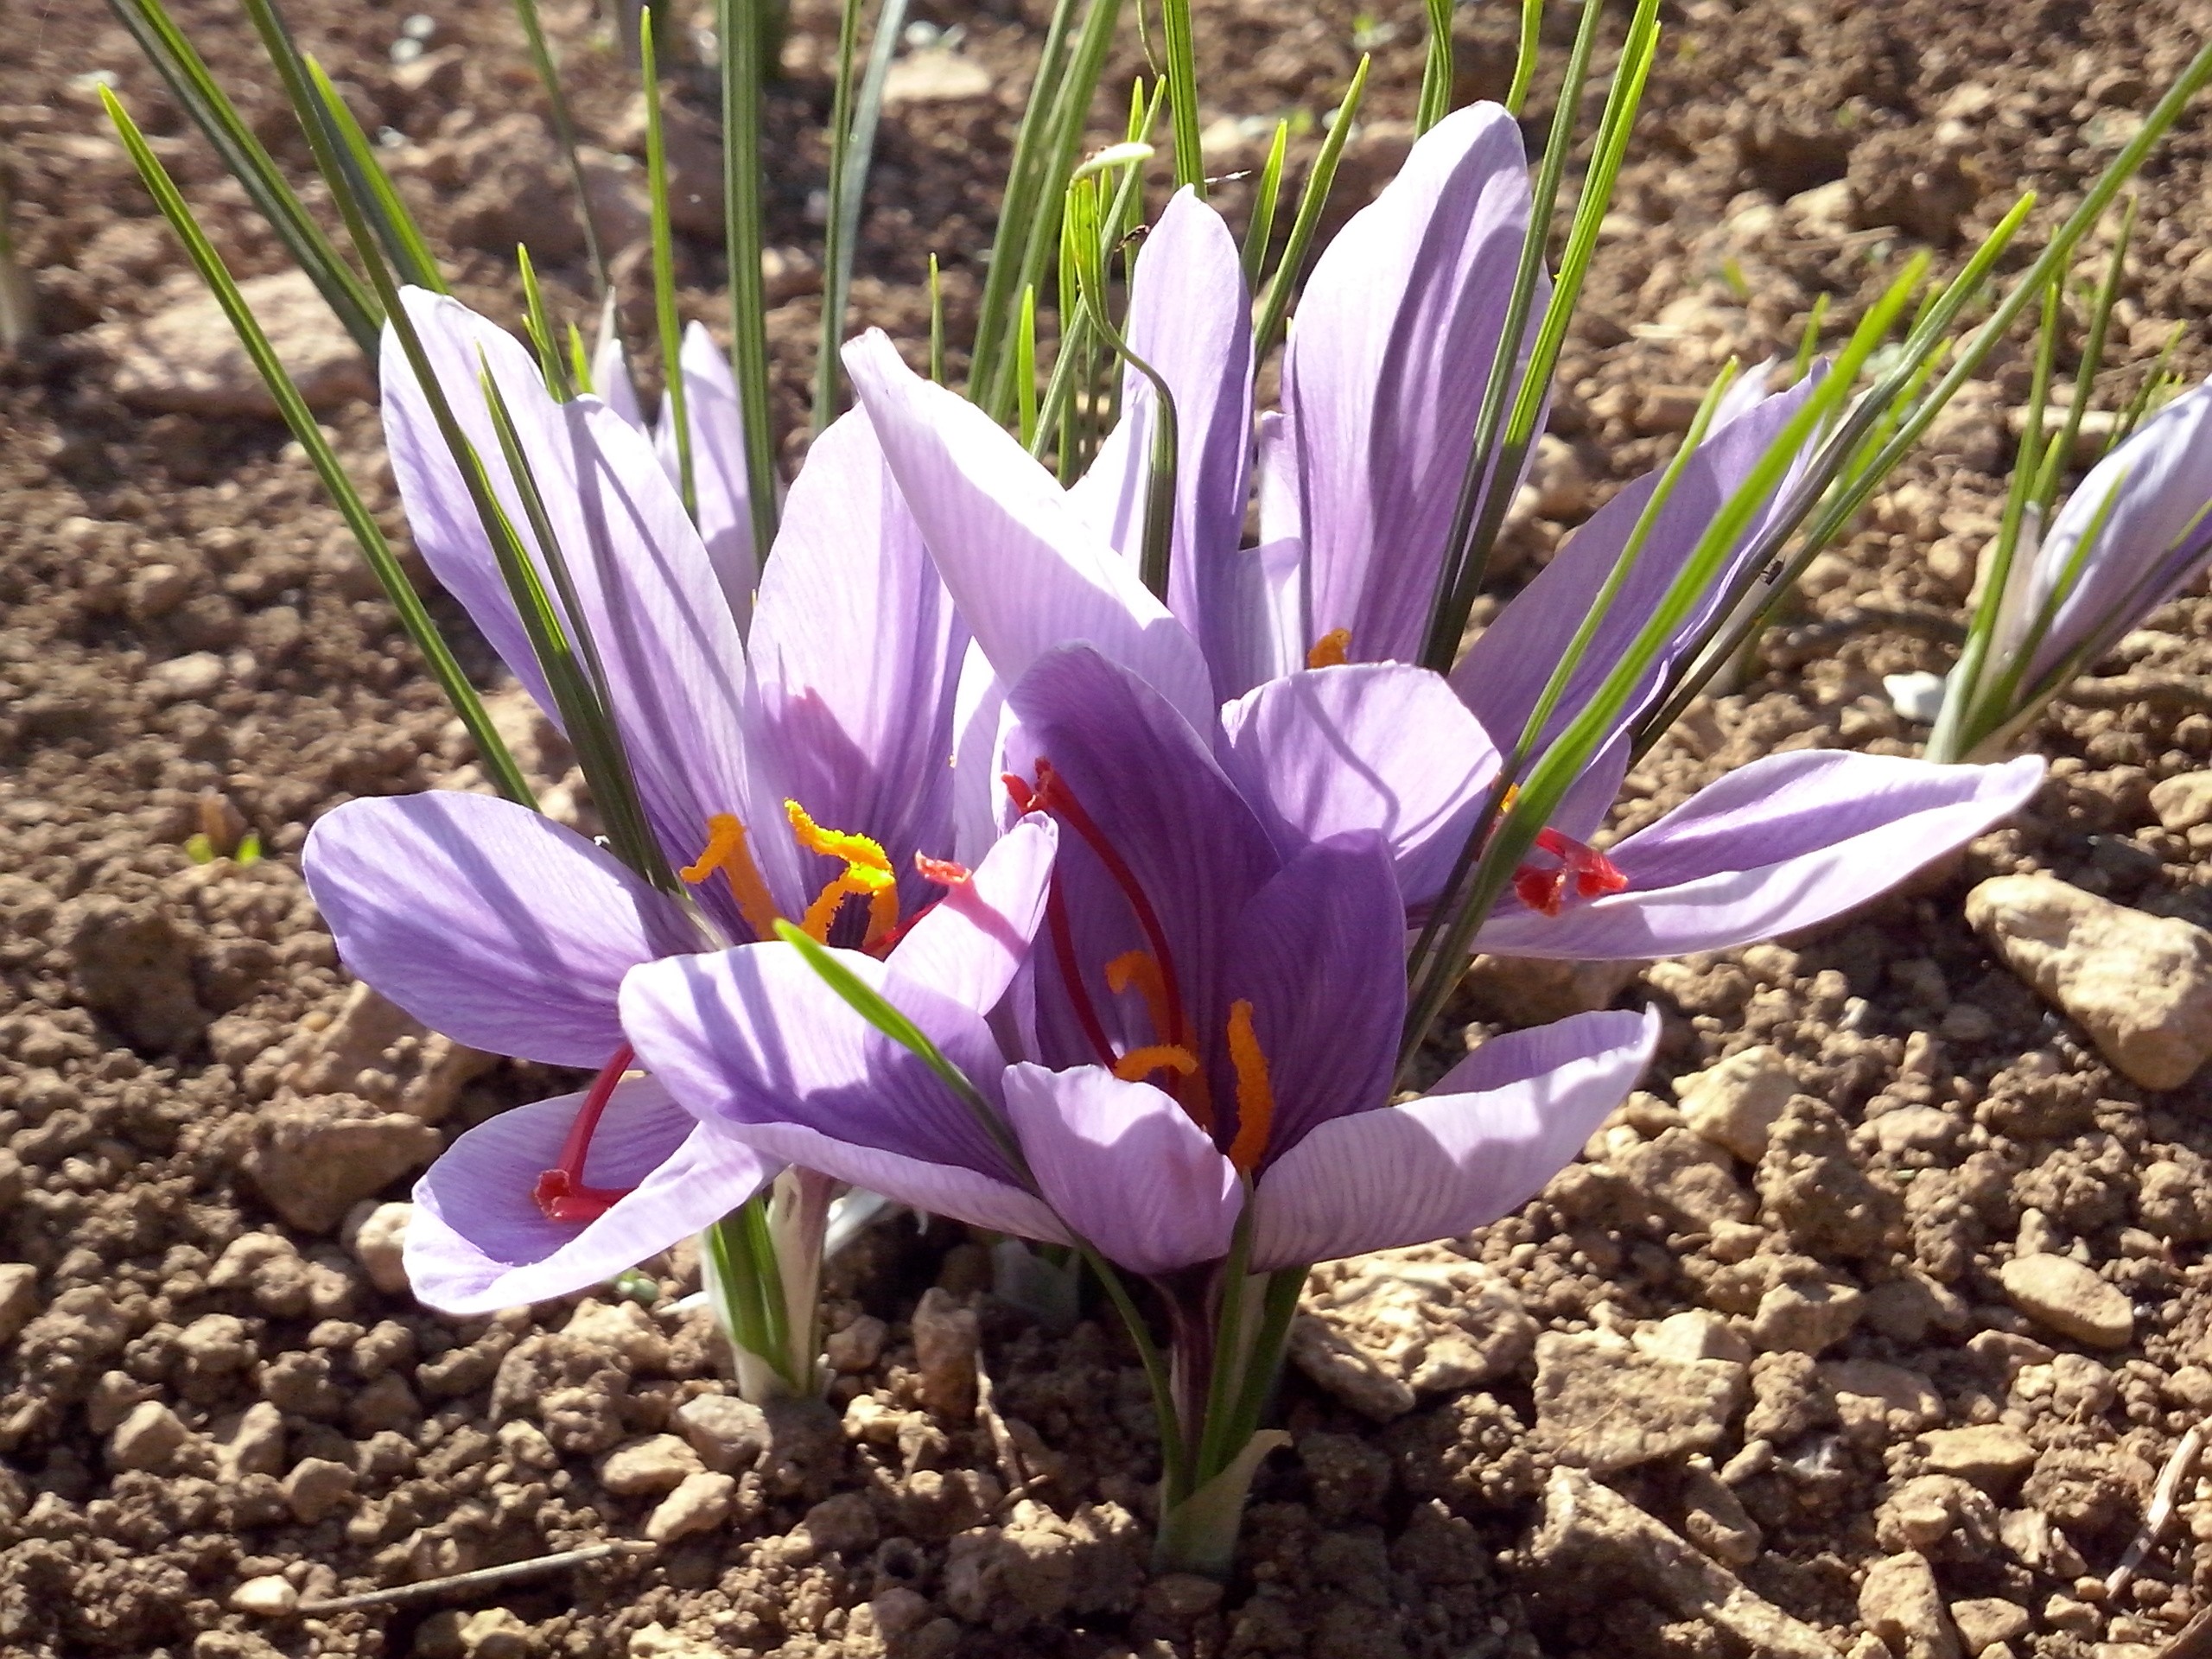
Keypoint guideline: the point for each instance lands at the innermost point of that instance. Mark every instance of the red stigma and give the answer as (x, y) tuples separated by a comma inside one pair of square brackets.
[(559, 1192), (1592, 873), (1052, 795)]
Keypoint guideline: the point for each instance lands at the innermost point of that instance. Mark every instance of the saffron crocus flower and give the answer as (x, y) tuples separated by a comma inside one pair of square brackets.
[(801, 775), (2137, 532)]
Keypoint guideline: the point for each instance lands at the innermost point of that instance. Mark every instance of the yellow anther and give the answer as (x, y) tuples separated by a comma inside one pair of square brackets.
[(1139, 969), (1141, 1063), (1256, 1096), (868, 873), (1329, 650), (727, 851)]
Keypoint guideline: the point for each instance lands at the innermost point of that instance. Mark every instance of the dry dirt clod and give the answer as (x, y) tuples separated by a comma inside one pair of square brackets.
[(1378, 1330), (379, 1242), (700, 1503), (658, 1464), (2061, 1294), (185, 359), (1899, 1603), (1985, 1621), (1807, 1317), (18, 1297), (2140, 985), (1591, 1535), (149, 1438), (2184, 803), (1994, 1455), (935, 76), (1736, 1103), (314, 1160), (729, 1433), (1607, 1406), (946, 1342)]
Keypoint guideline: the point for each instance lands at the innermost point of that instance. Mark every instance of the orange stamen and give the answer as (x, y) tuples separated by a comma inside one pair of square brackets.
[(1141, 1063), (1329, 651), (1138, 968), (727, 851), (1256, 1096), (867, 875)]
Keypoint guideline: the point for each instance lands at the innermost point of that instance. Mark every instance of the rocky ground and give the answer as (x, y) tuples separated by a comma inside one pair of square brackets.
[(1869, 1328)]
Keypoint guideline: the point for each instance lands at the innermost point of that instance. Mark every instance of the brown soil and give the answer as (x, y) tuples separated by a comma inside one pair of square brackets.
[(202, 1383)]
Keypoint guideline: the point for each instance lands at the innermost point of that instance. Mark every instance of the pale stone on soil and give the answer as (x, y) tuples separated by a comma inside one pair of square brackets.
[(185, 359), (1593, 1535), (700, 1503), (1899, 1603), (935, 76), (1985, 1621), (658, 1463), (2184, 803), (268, 1597), (1805, 1318), (1378, 1330), (18, 1297), (495, 1633), (315, 1487), (149, 1438), (659, 1642), (379, 1245), (1868, 1389), (192, 678), (1694, 1333), (1736, 1103), (1989, 1454), (2060, 1294), (1607, 1406), (729, 1433), (2140, 985)]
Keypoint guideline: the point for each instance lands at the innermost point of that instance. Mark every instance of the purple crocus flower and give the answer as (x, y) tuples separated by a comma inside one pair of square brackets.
[(2151, 493), (1210, 1016), (800, 774)]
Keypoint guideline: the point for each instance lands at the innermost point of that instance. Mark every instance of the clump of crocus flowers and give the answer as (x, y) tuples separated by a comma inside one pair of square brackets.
[(985, 876)]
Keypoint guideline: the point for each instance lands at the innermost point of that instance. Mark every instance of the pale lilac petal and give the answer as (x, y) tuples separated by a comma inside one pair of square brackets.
[(1437, 1167), (1385, 371), (1026, 571), (1505, 671), (2156, 538), (498, 927), (754, 1035), (720, 487), (1278, 469), (979, 717), (479, 1242), (1124, 1166), (1262, 632), (954, 1190), (970, 942), (1320, 954), (673, 661), (1380, 747), (1159, 801), (611, 382), (1783, 843), (856, 658), (1190, 321)]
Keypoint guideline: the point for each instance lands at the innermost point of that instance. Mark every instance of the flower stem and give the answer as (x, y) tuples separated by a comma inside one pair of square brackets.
[(762, 1268)]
